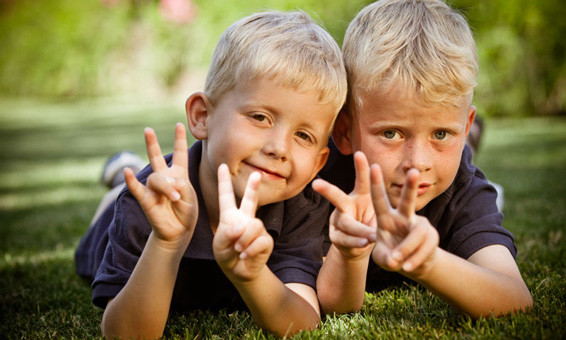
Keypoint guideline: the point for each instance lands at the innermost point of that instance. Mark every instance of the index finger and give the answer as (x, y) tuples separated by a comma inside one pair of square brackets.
[(154, 154), (362, 185), (332, 193), (180, 154), (408, 199), (379, 196), (226, 199)]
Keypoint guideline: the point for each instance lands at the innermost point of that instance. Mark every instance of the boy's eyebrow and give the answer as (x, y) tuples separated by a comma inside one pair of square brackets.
[(452, 126)]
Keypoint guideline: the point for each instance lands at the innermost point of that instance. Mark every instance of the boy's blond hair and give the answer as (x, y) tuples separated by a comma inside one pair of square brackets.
[(288, 47), (420, 46)]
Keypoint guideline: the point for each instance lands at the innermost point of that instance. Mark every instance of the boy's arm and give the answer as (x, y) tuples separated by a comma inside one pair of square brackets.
[(341, 281), (242, 247), (141, 308), (280, 308), (488, 282), (169, 202)]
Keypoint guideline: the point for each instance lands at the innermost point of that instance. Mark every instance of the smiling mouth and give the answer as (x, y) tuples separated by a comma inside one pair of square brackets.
[(265, 172)]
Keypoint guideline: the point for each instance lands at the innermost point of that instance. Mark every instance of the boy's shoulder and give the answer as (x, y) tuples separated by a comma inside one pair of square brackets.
[(339, 169), (466, 214)]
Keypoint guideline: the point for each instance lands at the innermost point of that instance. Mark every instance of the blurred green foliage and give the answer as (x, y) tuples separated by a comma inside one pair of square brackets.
[(70, 48), (522, 49)]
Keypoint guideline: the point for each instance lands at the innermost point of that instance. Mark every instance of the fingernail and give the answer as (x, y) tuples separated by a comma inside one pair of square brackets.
[(372, 237), (362, 242), (407, 266), (238, 248), (243, 256), (175, 196), (397, 256)]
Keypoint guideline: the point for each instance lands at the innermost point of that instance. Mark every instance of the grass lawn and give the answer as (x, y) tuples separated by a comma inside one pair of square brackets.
[(51, 155)]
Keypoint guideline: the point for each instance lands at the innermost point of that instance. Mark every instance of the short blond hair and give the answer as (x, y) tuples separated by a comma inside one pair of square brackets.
[(420, 46), (287, 47)]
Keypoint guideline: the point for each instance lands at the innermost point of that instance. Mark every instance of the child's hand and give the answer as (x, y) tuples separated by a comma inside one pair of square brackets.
[(169, 200), (406, 242), (352, 223), (241, 244)]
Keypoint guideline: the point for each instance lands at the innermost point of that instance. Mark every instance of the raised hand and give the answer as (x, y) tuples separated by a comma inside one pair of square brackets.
[(352, 224), (406, 242), (241, 244), (168, 199)]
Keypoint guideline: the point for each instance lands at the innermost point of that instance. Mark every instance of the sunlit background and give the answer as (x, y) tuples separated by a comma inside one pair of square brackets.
[(73, 49)]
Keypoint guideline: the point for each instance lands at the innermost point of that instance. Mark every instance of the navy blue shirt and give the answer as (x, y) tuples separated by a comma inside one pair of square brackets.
[(465, 215), (108, 253)]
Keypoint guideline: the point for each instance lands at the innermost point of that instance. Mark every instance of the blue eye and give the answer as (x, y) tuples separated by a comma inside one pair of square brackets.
[(440, 135), (389, 134)]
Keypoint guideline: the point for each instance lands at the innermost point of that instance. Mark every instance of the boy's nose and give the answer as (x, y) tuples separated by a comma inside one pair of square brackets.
[(277, 145), (416, 156)]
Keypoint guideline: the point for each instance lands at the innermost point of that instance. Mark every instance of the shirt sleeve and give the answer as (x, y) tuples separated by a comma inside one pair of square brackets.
[(127, 234), (470, 219), (297, 254)]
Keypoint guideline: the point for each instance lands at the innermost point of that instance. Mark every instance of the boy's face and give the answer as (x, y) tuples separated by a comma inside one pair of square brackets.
[(399, 132), (280, 132)]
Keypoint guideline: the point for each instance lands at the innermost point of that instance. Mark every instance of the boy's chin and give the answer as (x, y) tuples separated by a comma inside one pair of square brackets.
[(420, 204)]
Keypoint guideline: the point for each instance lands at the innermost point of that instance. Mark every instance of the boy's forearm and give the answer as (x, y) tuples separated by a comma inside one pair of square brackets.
[(341, 283), (277, 308), (142, 306), (475, 290)]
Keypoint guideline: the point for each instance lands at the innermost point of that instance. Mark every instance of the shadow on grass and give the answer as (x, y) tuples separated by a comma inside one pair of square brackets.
[(46, 299)]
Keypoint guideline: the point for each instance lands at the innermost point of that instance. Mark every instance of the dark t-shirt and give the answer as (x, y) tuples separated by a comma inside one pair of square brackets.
[(465, 215), (109, 251)]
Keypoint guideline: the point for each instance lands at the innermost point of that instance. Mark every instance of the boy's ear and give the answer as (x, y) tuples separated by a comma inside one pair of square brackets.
[(470, 119), (341, 134), (197, 107)]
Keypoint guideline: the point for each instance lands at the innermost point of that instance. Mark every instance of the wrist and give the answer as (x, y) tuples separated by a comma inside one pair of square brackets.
[(248, 280), (426, 272), (176, 245), (353, 255)]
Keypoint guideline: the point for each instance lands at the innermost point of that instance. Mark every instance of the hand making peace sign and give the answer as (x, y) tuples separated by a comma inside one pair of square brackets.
[(403, 240), (241, 244), (352, 224), (406, 242), (168, 199)]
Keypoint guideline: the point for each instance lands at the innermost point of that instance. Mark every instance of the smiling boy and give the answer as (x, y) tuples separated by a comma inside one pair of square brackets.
[(185, 235)]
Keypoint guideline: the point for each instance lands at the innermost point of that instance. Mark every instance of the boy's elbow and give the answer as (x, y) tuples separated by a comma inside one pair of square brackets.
[(521, 304), (526, 302), (114, 329), (340, 306)]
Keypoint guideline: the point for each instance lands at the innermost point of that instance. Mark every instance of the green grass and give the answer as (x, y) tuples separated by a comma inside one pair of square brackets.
[(51, 154)]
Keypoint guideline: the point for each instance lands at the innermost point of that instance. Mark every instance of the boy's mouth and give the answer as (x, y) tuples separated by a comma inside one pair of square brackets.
[(421, 189), (266, 173)]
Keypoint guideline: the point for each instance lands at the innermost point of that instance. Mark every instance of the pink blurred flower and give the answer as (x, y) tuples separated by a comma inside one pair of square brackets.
[(179, 11)]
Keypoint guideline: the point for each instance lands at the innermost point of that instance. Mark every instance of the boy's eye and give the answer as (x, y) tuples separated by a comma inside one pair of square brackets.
[(389, 134), (258, 117), (303, 135), (440, 135)]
